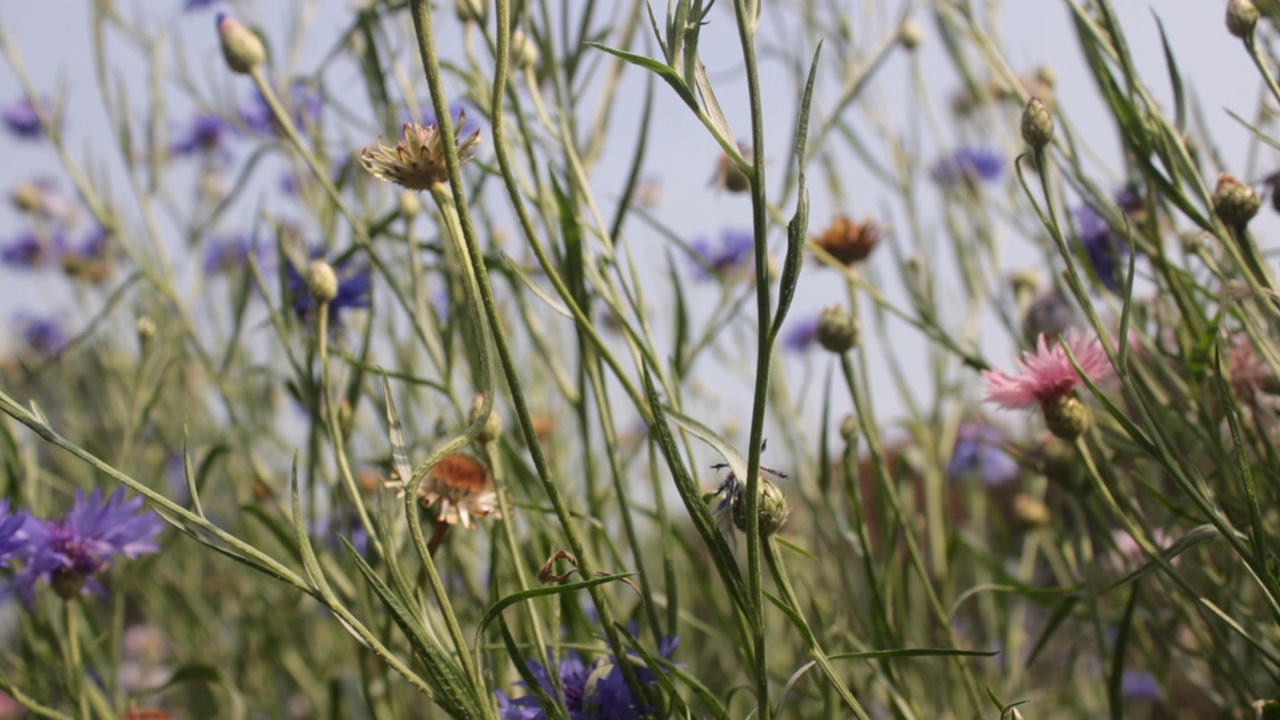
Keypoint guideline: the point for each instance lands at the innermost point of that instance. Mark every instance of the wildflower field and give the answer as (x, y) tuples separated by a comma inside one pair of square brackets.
[(619, 359)]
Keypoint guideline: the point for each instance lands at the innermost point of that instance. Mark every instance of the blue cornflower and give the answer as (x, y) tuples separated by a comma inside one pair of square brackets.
[(598, 690), (305, 105), (1107, 251), (23, 120), (67, 553), (979, 453), (355, 281), (222, 255), (44, 335), (968, 166), (802, 333), (1139, 685), (206, 135), (198, 4), (11, 541), (28, 251), (735, 252)]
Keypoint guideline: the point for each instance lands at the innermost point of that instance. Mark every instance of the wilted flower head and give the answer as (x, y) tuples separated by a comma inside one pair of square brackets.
[(67, 553), (729, 176), (979, 452), (417, 161), (734, 253), (598, 690), (462, 487), (1046, 373), (967, 166), (24, 120), (850, 242), (354, 284)]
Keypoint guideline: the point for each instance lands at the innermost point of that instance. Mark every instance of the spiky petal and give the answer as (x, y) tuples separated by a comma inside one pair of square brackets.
[(417, 161), (1046, 374)]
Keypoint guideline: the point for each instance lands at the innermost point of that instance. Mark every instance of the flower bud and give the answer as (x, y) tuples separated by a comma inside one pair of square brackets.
[(772, 507), (524, 53), (241, 47), (910, 35), (470, 11), (410, 204), (1030, 512), (1242, 17), (492, 425), (1235, 202), (837, 330), (322, 281), (1065, 416), (146, 328), (849, 428), (1037, 124)]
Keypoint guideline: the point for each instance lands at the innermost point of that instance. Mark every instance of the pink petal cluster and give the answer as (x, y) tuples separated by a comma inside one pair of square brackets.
[(1046, 373)]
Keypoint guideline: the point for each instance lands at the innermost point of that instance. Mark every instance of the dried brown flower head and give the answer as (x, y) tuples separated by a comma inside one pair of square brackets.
[(850, 242), (417, 161), (462, 487)]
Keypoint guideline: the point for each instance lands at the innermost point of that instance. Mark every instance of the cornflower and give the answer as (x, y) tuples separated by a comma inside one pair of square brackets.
[(802, 334), (306, 106), (463, 489), (979, 452), (1046, 377), (10, 539), (598, 690), (850, 242), (967, 166), (735, 251), (355, 281), (68, 553), (206, 135), (417, 161), (30, 252), (24, 120), (43, 335)]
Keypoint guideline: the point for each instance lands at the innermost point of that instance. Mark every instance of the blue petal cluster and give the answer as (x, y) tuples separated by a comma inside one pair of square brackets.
[(22, 119), (598, 690), (968, 166), (355, 281), (979, 453), (735, 251)]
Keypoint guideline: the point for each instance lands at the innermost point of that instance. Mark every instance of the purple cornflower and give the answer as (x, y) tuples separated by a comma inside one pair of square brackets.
[(1108, 251), (23, 119), (802, 334), (27, 251), (355, 281), (598, 690), (1139, 685), (11, 542), (44, 335), (305, 105), (198, 4), (735, 252), (979, 453), (207, 135), (968, 166), (67, 553)]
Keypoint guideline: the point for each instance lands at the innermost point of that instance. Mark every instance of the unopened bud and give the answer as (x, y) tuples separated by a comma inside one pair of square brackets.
[(1065, 416), (241, 47), (524, 53), (322, 281), (1030, 511), (470, 11), (1037, 124), (1235, 202), (849, 428), (146, 328), (910, 35), (837, 330), (773, 508), (410, 204), (492, 427), (1242, 18)]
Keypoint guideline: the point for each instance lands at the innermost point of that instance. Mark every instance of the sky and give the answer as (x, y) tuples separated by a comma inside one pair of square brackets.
[(52, 39)]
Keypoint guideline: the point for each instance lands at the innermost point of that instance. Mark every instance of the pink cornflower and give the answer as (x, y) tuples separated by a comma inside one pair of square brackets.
[(1046, 378)]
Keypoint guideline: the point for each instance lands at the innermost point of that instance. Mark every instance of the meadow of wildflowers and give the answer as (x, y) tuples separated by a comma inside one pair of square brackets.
[(378, 359)]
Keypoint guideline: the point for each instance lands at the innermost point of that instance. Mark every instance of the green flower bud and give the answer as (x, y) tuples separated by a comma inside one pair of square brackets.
[(322, 281), (1235, 202), (470, 11), (772, 508), (837, 330), (524, 53), (1242, 18), (1065, 416), (1037, 124), (241, 47), (492, 424)]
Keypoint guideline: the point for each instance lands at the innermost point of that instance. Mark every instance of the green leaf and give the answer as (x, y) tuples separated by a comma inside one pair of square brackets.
[(496, 609), (665, 72)]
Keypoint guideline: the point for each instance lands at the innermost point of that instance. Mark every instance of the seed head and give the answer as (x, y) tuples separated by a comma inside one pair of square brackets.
[(1037, 124), (849, 241), (1235, 202), (417, 161), (463, 489), (241, 47)]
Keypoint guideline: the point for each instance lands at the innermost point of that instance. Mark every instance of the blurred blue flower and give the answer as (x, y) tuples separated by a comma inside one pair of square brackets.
[(735, 252), (598, 690), (968, 166), (10, 540), (355, 281), (67, 553), (207, 135), (1107, 251), (1139, 685), (304, 104), (22, 119), (28, 251), (229, 254), (802, 333), (979, 453), (42, 334), (199, 4)]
